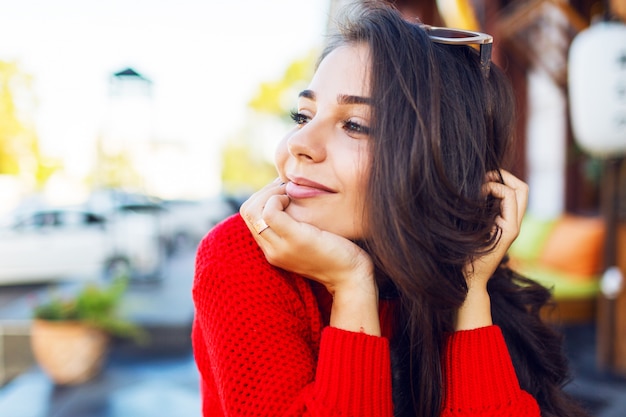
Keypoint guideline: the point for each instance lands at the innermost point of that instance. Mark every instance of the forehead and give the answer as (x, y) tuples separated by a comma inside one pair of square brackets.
[(345, 70)]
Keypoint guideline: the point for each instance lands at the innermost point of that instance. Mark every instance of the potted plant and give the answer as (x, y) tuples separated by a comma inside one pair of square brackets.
[(70, 335)]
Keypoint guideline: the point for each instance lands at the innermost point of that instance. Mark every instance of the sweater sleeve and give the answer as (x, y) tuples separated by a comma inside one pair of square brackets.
[(259, 345), (479, 378)]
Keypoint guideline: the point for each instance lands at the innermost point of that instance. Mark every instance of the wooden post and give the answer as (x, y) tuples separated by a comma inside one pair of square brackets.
[(620, 302), (611, 308)]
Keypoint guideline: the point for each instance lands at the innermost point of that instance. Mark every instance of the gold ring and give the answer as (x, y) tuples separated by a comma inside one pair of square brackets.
[(260, 226)]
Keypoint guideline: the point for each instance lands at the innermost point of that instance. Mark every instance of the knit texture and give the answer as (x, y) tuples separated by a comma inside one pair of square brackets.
[(480, 376), (263, 346)]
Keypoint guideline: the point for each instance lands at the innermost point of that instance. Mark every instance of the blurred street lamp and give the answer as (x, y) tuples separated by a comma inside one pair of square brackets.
[(597, 88)]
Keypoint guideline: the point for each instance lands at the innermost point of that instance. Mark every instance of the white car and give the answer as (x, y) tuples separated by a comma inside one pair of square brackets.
[(185, 222), (64, 244), (181, 224)]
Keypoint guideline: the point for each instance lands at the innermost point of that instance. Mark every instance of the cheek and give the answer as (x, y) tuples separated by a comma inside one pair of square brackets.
[(281, 155), (363, 172), (362, 179)]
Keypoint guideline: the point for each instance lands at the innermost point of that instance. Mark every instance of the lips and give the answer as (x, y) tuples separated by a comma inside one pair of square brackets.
[(303, 188)]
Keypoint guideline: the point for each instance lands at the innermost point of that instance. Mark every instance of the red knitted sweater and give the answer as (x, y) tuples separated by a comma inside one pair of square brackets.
[(263, 346)]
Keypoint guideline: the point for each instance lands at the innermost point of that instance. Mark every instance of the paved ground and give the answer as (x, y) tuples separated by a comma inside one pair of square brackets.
[(603, 393), (162, 381), (157, 381), (130, 387)]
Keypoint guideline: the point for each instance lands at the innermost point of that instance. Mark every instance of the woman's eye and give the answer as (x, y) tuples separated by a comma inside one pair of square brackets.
[(354, 127), (299, 118)]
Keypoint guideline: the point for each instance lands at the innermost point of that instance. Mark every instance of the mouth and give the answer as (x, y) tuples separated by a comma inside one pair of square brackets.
[(303, 188)]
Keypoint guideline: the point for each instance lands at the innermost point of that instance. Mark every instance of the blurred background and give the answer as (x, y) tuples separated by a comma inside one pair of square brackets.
[(129, 128)]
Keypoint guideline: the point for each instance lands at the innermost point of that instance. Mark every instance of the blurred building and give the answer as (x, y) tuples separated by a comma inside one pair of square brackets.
[(127, 131), (129, 152)]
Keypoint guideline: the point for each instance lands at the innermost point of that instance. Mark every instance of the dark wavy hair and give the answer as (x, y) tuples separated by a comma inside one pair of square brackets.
[(438, 125)]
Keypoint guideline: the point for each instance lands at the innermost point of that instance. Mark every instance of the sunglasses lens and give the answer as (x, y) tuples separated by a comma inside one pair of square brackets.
[(451, 34), (456, 36)]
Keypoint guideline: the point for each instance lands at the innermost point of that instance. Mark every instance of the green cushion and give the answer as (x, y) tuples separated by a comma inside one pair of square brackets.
[(562, 284), (532, 237)]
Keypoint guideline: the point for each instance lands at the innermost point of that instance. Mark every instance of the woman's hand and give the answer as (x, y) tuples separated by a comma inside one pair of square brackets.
[(513, 194), (336, 262)]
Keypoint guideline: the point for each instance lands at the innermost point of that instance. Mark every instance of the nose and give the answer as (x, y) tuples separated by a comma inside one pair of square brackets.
[(308, 143)]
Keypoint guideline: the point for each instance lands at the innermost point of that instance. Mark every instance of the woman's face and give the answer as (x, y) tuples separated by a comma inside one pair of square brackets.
[(325, 159)]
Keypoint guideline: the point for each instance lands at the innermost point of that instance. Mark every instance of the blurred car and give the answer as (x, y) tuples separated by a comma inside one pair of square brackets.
[(181, 224), (185, 222), (74, 244)]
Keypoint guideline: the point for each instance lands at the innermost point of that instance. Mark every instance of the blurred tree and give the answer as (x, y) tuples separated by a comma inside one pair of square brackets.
[(243, 170), (245, 166), (19, 146), (276, 97)]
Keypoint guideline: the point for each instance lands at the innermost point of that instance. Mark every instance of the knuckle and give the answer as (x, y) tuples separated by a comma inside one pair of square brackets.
[(274, 255), (271, 257)]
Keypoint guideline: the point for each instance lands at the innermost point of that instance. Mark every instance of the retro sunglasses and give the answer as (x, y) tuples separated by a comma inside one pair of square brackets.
[(451, 36)]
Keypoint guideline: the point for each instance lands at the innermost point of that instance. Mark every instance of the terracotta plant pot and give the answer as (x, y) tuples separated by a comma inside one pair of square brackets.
[(68, 352)]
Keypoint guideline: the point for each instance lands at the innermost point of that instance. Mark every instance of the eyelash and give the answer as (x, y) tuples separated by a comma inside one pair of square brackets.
[(300, 119), (355, 127)]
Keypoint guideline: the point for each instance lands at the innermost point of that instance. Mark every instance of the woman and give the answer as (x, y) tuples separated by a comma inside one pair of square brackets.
[(367, 279)]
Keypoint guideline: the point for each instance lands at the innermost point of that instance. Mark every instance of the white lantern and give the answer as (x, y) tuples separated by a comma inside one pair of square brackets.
[(597, 89)]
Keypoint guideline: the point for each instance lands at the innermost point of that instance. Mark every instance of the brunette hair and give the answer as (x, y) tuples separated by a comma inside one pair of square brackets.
[(438, 126)]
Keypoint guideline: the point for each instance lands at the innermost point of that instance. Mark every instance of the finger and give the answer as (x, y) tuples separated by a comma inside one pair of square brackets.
[(278, 202), (500, 190), (510, 179), (508, 201), (278, 221), (283, 225), (494, 176), (274, 187), (252, 209), (519, 186), (504, 177)]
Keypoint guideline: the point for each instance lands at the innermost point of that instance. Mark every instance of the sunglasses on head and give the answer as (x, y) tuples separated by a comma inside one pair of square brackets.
[(451, 36)]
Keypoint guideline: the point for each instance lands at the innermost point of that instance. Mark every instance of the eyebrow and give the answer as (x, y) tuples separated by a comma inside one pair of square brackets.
[(341, 98)]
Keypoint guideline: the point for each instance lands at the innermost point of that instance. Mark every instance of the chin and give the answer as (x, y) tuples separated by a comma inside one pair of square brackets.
[(331, 222)]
